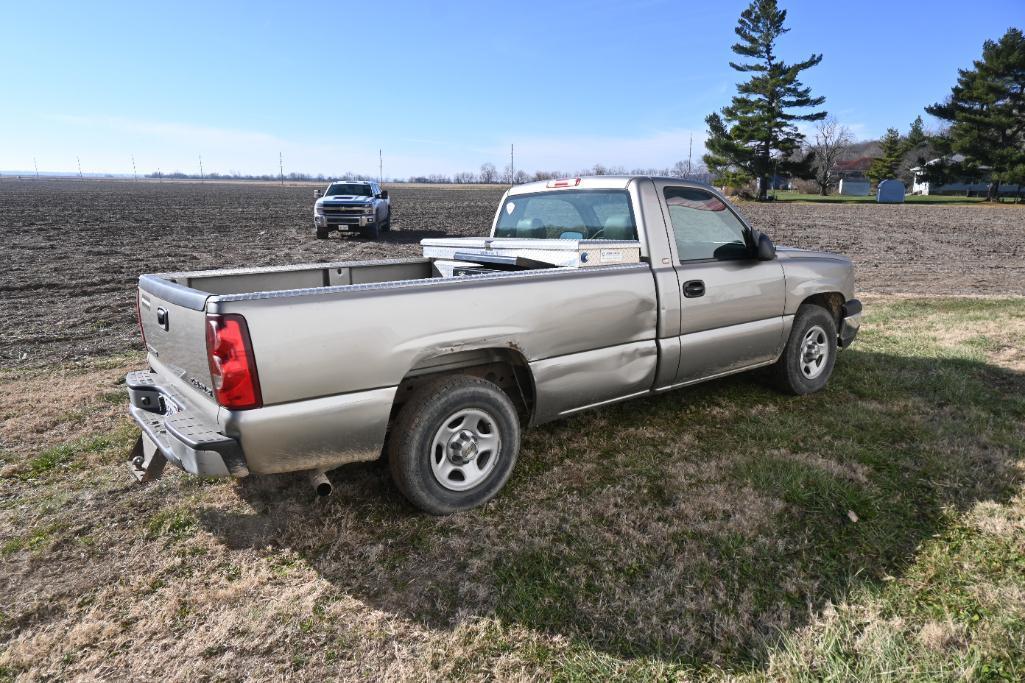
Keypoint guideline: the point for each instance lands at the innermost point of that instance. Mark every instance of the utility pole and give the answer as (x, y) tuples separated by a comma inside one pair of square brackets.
[(690, 154), (36, 166), (380, 166), (512, 164), (79, 167), (201, 168), (135, 174), (281, 168), (160, 176)]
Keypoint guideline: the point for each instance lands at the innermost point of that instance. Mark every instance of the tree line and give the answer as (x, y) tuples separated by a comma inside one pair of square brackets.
[(756, 138), (489, 174)]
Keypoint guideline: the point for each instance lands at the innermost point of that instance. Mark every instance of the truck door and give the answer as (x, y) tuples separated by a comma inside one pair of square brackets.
[(731, 303)]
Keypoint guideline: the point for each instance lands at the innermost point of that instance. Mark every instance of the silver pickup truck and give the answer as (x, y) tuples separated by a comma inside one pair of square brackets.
[(587, 292)]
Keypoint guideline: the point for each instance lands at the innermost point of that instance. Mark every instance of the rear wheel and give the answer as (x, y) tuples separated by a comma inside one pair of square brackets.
[(808, 358), (454, 444)]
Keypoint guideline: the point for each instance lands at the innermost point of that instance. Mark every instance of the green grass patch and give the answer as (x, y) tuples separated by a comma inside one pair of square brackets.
[(35, 540), (68, 456), (175, 524)]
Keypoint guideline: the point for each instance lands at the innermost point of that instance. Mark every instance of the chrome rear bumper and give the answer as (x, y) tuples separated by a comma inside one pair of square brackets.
[(174, 433)]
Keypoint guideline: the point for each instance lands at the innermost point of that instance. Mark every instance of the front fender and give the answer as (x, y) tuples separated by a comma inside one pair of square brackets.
[(811, 273)]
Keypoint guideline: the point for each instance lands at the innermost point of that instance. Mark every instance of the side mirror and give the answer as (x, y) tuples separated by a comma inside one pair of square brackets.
[(317, 193), (766, 249), (384, 194)]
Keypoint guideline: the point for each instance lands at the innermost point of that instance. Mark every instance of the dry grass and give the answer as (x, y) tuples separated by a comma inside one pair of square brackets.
[(699, 534)]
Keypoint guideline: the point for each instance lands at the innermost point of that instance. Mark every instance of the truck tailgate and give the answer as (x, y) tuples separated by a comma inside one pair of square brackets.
[(175, 332)]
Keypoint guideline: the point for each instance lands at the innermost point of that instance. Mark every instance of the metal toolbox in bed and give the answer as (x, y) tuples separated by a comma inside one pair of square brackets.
[(576, 253)]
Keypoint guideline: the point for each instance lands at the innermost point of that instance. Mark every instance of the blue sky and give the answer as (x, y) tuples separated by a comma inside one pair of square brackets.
[(440, 86)]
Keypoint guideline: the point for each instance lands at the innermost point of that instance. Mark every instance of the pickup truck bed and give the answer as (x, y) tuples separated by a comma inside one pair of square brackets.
[(326, 362)]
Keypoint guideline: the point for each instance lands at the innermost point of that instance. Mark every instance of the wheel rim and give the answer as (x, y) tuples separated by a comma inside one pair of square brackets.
[(814, 352), (465, 449)]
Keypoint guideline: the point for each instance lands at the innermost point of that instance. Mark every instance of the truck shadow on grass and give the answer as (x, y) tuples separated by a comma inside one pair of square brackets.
[(695, 527)]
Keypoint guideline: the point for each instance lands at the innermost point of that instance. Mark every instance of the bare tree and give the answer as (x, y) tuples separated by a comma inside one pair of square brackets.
[(521, 177), (488, 174), (832, 144)]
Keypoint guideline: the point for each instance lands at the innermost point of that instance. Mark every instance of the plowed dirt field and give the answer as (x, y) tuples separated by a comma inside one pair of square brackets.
[(71, 250)]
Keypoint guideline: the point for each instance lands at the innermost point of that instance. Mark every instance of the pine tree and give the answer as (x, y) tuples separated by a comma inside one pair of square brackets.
[(916, 134), (986, 109), (887, 165), (756, 134)]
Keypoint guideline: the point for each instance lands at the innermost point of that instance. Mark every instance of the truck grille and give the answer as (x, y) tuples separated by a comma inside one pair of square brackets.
[(343, 209)]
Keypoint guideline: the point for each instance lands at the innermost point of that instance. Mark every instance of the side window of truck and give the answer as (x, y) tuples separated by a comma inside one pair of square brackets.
[(704, 226)]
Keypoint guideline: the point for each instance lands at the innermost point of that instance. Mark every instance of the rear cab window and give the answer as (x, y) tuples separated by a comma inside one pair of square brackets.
[(572, 214)]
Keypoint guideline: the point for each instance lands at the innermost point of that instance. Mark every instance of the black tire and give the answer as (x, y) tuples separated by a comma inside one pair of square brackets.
[(800, 370), (386, 225), (372, 231), (421, 432), (322, 233)]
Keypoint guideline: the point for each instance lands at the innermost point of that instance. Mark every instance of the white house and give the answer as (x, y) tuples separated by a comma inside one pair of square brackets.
[(965, 186)]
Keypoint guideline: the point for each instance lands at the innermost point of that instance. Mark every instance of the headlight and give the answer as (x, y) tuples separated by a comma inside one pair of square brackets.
[(318, 210), (369, 208)]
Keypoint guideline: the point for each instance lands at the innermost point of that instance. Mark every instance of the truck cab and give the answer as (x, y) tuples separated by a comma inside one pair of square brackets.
[(352, 206), (723, 287)]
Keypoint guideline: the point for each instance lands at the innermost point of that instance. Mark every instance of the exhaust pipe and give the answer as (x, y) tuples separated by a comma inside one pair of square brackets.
[(320, 483)]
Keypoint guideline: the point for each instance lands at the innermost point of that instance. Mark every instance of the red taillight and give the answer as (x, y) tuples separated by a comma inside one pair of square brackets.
[(232, 367), (138, 316), (564, 182)]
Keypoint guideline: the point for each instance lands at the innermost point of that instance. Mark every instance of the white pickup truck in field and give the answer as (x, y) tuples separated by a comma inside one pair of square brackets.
[(586, 292), (352, 206)]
